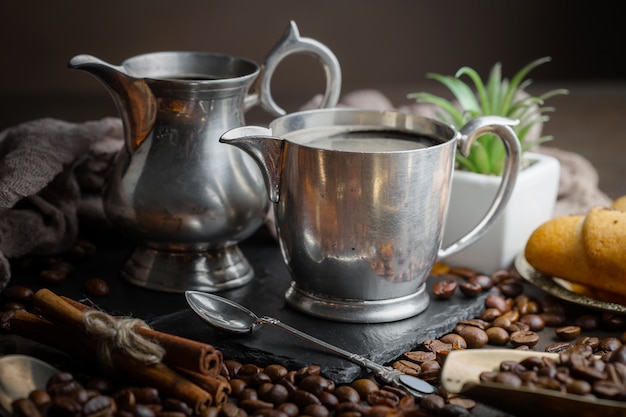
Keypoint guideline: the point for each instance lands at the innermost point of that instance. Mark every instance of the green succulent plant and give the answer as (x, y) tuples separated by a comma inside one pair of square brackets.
[(499, 97)]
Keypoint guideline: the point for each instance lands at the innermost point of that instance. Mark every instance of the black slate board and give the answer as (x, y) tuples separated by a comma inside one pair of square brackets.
[(380, 342)]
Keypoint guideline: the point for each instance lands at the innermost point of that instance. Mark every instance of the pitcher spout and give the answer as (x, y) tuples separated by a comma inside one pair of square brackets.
[(266, 150), (132, 96)]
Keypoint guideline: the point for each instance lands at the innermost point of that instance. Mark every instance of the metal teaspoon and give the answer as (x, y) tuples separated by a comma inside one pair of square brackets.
[(230, 316), (19, 375)]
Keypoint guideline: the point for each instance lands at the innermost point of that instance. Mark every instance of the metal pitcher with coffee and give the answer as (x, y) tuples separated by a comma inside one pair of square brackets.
[(184, 197), (360, 200)]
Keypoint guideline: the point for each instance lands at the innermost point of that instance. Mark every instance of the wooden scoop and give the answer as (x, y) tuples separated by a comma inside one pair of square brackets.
[(462, 368)]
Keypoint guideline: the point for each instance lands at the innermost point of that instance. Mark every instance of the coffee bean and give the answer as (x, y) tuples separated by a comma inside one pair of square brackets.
[(24, 407), (52, 276), (578, 387), (500, 275), (314, 384), (432, 402), (40, 397), (485, 281), (306, 371), (587, 322), (518, 326), (619, 355), (408, 367), (19, 293), (100, 405), (278, 394), (496, 301), (502, 321), (466, 403), (364, 386), (557, 347), (254, 406), (609, 344), (528, 338), (430, 370), (328, 399), (551, 304), (248, 394), (481, 324), (435, 345), (315, 410), (567, 332), (474, 336), (275, 371), (444, 289), (534, 321), (290, 409), (97, 287), (64, 405), (229, 410), (490, 314), (440, 269), (465, 273), (420, 356), (497, 336), (608, 389), (146, 395), (612, 321), (591, 341), (346, 393), (455, 340), (553, 319), (383, 397), (12, 305), (511, 289), (470, 289)]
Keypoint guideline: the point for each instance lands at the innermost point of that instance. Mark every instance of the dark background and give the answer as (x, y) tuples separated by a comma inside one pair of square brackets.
[(384, 45)]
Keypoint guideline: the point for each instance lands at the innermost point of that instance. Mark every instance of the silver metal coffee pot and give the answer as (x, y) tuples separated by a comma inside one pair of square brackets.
[(187, 199)]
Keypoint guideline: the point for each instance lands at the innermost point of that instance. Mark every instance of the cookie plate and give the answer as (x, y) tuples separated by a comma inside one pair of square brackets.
[(562, 289)]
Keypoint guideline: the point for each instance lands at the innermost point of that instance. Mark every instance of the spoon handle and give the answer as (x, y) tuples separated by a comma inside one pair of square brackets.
[(353, 357), (414, 385)]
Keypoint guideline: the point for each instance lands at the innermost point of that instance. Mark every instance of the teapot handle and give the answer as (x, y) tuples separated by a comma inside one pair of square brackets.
[(291, 43), (501, 127)]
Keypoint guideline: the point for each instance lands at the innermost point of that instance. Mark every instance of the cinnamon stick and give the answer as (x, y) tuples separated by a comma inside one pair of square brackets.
[(160, 376), (166, 380), (181, 352), (40, 330), (218, 386)]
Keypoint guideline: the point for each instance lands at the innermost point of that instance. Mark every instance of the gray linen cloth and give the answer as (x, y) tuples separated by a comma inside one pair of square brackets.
[(52, 173)]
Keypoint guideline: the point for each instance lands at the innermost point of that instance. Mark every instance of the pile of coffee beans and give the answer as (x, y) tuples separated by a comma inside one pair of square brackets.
[(588, 365), (271, 391), (578, 371), (67, 396)]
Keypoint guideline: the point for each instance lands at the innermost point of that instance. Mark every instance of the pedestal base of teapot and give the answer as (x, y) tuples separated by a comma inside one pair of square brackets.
[(358, 311), (210, 271)]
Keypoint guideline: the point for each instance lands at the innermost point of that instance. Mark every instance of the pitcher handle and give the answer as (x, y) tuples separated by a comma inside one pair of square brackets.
[(501, 127), (291, 43)]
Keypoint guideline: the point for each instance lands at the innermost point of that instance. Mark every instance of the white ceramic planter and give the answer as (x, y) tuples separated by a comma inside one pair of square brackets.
[(531, 204)]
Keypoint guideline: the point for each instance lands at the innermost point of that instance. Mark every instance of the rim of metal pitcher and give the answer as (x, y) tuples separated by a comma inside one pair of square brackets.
[(250, 68), (440, 131)]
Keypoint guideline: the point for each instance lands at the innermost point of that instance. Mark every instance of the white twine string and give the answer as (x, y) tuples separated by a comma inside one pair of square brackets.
[(118, 333)]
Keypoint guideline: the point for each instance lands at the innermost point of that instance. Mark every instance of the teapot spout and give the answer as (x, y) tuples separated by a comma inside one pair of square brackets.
[(266, 150), (134, 99)]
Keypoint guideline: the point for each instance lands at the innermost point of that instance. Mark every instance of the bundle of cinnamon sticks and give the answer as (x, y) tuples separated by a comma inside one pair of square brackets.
[(188, 371)]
